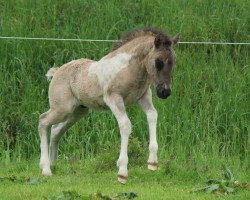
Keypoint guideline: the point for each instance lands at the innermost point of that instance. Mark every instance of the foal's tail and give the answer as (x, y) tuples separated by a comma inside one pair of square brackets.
[(51, 73)]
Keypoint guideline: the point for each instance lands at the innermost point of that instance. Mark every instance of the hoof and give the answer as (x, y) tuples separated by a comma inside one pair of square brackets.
[(46, 172), (122, 179), (152, 166)]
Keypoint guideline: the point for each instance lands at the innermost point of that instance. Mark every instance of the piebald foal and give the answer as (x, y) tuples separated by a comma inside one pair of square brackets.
[(141, 58)]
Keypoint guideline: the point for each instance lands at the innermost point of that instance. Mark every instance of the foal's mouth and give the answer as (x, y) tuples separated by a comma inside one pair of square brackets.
[(163, 91)]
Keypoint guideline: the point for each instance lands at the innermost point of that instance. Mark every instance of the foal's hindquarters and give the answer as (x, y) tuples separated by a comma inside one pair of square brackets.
[(64, 111)]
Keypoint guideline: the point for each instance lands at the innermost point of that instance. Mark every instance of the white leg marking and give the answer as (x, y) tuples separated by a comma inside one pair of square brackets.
[(46, 120), (58, 130), (44, 160), (147, 106), (56, 133), (116, 104)]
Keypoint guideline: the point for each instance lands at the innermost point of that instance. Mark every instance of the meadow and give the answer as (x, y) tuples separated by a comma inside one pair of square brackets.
[(204, 124)]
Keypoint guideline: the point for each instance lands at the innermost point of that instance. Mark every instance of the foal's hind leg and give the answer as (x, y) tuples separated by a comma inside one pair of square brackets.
[(46, 120), (58, 130)]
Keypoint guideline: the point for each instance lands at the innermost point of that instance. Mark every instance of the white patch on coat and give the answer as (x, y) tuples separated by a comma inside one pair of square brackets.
[(107, 69)]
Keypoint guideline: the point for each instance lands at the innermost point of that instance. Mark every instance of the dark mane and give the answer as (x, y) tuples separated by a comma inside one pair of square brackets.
[(137, 33)]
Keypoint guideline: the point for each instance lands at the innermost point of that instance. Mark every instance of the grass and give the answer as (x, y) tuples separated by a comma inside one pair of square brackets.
[(204, 123), (81, 177)]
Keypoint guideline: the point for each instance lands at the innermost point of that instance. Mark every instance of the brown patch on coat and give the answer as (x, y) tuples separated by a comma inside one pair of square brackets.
[(131, 82)]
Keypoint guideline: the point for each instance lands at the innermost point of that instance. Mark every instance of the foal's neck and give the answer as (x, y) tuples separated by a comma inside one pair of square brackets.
[(140, 62)]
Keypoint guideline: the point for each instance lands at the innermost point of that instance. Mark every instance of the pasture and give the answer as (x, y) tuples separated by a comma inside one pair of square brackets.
[(204, 124)]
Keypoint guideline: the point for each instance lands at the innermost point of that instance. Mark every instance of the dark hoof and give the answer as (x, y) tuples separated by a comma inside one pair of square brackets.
[(152, 166), (122, 179)]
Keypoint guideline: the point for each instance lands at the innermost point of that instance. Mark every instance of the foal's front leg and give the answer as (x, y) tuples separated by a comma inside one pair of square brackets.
[(147, 106), (116, 104)]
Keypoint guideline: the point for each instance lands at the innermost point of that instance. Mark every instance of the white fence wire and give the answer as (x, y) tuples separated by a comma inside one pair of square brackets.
[(97, 40)]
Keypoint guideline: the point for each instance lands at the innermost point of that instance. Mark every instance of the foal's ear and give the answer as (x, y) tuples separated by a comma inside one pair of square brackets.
[(161, 41), (158, 41), (176, 39)]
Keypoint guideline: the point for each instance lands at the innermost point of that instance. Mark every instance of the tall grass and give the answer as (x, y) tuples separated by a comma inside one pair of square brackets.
[(208, 114)]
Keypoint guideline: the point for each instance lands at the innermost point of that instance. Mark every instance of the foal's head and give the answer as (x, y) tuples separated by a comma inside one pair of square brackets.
[(161, 62)]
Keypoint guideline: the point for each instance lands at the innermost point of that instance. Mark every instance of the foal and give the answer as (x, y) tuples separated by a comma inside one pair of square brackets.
[(141, 58)]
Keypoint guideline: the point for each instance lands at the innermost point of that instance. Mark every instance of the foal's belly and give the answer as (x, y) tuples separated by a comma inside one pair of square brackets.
[(95, 103)]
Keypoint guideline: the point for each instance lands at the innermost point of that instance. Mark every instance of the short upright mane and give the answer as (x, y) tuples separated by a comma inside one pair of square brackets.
[(137, 33)]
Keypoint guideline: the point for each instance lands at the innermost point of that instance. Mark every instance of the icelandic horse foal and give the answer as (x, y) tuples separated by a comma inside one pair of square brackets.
[(122, 77)]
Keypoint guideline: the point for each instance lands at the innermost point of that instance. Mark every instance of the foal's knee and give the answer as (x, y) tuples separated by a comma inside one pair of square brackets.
[(152, 115)]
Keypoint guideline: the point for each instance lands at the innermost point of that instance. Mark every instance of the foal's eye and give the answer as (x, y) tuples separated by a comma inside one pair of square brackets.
[(159, 64)]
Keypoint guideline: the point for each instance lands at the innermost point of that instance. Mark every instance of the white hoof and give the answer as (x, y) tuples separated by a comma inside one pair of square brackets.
[(152, 166), (122, 179), (46, 172)]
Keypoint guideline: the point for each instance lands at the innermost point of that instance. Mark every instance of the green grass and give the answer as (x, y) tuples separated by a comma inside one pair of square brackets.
[(204, 123), (80, 176)]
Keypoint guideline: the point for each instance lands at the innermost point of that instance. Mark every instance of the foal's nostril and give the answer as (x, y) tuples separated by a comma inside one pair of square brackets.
[(166, 92), (162, 91)]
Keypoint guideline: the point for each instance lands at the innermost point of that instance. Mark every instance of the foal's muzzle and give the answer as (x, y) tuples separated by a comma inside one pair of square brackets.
[(163, 91)]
